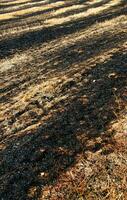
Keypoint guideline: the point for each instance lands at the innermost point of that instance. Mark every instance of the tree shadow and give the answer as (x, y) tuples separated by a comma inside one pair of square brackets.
[(66, 57), (26, 40), (37, 158), (26, 6)]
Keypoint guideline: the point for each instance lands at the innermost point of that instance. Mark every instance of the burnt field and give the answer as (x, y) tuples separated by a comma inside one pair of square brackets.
[(63, 100)]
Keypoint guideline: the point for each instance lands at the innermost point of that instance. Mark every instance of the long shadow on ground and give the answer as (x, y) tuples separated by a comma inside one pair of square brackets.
[(52, 148), (25, 41)]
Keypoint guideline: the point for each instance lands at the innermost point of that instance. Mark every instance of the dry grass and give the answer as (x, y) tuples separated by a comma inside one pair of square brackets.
[(16, 14), (63, 101)]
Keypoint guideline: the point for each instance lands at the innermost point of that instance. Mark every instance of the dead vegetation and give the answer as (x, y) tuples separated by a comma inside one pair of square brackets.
[(63, 100)]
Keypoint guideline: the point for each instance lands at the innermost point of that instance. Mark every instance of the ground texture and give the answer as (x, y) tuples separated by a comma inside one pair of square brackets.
[(63, 99)]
